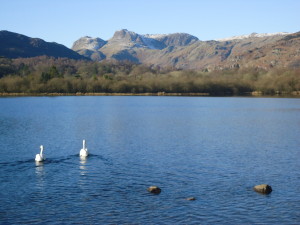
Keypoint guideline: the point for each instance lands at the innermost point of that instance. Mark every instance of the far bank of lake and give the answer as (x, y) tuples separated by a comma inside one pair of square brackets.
[(249, 94)]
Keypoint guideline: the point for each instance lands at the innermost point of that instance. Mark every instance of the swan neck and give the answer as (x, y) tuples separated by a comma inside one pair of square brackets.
[(83, 143), (42, 149)]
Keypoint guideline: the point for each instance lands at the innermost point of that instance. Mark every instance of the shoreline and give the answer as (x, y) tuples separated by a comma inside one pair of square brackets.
[(295, 94), (104, 94)]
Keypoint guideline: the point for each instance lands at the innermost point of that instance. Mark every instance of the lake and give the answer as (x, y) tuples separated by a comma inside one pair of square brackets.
[(212, 148)]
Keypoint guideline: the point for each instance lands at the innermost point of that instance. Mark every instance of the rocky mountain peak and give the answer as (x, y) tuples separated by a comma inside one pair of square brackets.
[(153, 41), (88, 43), (124, 34), (177, 39), (131, 39)]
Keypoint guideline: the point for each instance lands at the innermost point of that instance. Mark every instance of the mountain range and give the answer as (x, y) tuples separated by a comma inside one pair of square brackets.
[(178, 50), (184, 51)]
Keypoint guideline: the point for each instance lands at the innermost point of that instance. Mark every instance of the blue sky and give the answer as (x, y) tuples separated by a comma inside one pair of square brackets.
[(65, 21)]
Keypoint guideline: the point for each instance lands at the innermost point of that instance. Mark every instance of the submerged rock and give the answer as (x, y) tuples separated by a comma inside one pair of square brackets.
[(263, 188), (154, 189)]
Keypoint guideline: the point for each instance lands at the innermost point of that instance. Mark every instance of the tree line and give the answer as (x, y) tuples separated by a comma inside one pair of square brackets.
[(43, 74)]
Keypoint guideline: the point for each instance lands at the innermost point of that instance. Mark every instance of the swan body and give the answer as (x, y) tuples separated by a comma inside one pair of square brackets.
[(83, 152), (40, 157)]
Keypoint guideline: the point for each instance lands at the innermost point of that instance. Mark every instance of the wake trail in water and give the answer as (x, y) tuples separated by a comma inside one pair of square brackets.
[(67, 159)]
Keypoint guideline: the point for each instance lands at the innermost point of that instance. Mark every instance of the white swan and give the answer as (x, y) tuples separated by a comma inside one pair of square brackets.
[(40, 157), (83, 152)]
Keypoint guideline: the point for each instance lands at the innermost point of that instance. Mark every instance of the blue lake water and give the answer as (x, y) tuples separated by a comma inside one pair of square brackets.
[(213, 149)]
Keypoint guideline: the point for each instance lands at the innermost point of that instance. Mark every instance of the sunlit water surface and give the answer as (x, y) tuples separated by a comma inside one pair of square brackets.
[(213, 149)]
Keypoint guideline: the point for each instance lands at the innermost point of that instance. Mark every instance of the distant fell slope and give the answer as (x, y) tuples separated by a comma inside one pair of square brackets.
[(89, 47), (176, 39), (283, 53), (14, 45), (253, 35)]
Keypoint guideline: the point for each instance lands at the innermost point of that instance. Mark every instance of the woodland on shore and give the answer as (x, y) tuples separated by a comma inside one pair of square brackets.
[(48, 75)]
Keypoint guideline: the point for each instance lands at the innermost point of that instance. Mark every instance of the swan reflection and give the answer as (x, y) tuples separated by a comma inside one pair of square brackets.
[(40, 175), (39, 168), (82, 166)]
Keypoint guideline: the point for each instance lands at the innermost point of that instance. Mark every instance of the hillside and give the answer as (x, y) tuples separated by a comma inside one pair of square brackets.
[(184, 51), (175, 51), (13, 45)]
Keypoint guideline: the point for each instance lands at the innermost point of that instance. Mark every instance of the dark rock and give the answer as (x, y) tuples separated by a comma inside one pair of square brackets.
[(154, 189), (191, 199), (263, 188)]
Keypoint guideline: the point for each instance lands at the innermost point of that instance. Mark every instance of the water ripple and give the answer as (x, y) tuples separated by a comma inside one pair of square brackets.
[(213, 149)]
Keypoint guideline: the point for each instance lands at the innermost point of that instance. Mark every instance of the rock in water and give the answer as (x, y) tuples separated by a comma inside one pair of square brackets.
[(263, 188), (191, 199), (154, 189)]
